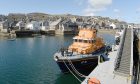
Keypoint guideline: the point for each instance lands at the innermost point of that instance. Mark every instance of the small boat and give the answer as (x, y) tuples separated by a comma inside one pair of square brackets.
[(39, 36), (12, 39), (82, 54)]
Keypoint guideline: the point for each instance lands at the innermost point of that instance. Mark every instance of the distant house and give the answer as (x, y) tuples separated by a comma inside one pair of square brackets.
[(80, 25), (107, 24), (97, 26), (55, 25), (2, 18), (103, 25), (33, 25), (73, 19), (85, 25), (113, 26), (79, 19), (12, 25), (20, 25), (44, 25), (67, 27), (4, 26)]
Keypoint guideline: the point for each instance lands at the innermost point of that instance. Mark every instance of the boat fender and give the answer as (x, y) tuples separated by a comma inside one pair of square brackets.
[(93, 81), (62, 53), (102, 59), (108, 48)]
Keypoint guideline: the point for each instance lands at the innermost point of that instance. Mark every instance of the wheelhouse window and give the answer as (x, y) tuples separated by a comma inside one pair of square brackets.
[(93, 41), (75, 40), (80, 40), (86, 41), (90, 41)]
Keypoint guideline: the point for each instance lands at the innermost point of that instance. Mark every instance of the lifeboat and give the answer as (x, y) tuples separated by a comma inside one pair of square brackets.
[(82, 53)]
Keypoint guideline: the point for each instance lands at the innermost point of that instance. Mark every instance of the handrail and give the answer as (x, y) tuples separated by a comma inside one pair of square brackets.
[(131, 63), (120, 50)]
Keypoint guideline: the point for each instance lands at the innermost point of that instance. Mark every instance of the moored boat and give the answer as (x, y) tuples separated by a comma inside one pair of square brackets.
[(82, 54), (27, 33), (11, 39)]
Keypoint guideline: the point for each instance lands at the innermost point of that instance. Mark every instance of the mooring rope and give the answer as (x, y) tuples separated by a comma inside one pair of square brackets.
[(73, 67), (72, 72)]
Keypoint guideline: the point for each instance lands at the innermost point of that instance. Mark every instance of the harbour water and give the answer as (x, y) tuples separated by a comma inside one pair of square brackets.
[(30, 60)]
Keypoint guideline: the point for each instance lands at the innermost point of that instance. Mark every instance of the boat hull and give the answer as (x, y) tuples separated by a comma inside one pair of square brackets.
[(84, 66), (27, 33)]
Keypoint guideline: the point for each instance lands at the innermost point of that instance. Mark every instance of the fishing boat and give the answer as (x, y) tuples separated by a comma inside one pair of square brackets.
[(82, 55)]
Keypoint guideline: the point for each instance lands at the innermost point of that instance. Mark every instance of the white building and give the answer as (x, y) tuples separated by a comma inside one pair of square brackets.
[(55, 25), (34, 25), (112, 25), (4, 26), (20, 25)]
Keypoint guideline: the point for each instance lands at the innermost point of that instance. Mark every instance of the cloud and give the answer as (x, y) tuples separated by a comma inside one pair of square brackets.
[(138, 10), (94, 6), (89, 11), (99, 4), (80, 2), (116, 10)]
